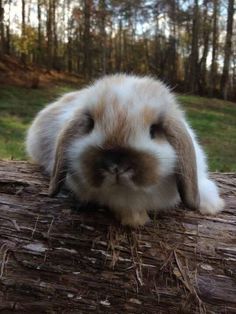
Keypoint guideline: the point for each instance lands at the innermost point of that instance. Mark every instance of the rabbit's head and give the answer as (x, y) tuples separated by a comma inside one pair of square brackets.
[(128, 135)]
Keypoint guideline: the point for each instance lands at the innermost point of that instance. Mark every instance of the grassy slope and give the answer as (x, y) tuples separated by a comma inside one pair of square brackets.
[(213, 119), (18, 106), (215, 123)]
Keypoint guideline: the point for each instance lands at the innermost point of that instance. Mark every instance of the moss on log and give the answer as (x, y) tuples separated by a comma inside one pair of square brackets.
[(55, 258)]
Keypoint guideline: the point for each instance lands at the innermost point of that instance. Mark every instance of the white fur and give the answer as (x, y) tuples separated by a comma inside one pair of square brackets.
[(210, 201), (133, 93)]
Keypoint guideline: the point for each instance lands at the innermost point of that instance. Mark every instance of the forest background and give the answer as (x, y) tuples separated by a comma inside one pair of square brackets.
[(48, 47)]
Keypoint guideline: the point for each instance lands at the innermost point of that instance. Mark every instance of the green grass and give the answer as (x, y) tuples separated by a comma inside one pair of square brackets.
[(18, 106), (215, 123), (213, 119)]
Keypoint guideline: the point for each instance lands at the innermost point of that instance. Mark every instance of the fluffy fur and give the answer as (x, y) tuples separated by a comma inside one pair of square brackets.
[(125, 143)]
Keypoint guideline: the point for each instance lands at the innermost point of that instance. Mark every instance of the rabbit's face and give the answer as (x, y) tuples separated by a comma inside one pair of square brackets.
[(123, 143), (127, 135)]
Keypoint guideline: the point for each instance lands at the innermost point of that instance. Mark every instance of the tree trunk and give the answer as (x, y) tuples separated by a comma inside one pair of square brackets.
[(23, 34), (7, 47), (110, 53), (29, 11), (234, 76), (56, 259), (49, 36), (227, 50), (23, 18), (102, 10), (193, 69), (119, 45), (69, 55), (87, 66), (7, 39), (147, 54), (125, 55), (39, 45), (2, 36), (203, 86), (54, 35), (213, 71), (172, 71)]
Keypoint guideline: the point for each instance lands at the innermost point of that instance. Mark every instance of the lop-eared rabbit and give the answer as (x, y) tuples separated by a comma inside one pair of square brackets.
[(123, 142)]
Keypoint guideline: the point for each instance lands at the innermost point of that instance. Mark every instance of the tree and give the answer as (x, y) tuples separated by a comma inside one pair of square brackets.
[(215, 36), (103, 35), (23, 33), (50, 34), (22, 18), (193, 62), (206, 28), (87, 42), (2, 37), (227, 50), (39, 44), (169, 39), (54, 35)]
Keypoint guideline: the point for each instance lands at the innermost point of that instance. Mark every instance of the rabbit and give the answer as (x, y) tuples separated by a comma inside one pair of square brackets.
[(123, 142)]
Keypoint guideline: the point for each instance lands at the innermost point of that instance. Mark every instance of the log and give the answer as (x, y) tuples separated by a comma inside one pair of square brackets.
[(58, 257)]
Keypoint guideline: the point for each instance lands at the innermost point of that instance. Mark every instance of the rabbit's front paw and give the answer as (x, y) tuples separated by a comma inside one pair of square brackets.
[(133, 218)]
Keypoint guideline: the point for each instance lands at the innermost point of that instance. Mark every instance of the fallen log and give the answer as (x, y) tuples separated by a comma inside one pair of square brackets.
[(56, 258)]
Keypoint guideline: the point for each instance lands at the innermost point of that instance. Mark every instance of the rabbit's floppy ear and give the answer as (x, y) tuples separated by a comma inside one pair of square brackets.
[(186, 170), (59, 168), (78, 127)]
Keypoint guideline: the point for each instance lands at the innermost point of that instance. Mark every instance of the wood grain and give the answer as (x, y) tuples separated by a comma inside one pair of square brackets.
[(58, 257)]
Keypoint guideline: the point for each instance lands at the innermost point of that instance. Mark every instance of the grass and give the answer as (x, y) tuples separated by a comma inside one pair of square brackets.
[(18, 106), (215, 123), (213, 120)]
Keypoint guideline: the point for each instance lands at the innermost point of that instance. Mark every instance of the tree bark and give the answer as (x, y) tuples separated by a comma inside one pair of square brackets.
[(203, 83), (227, 50), (54, 32), (23, 32), (87, 66), (193, 69), (2, 36), (58, 259), (215, 35), (102, 24), (172, 69), (49, 35), (7, 35), (118, 63), (22, 18), (39, 15)]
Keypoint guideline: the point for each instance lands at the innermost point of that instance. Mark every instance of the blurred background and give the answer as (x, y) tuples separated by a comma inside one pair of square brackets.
[(48, 47)]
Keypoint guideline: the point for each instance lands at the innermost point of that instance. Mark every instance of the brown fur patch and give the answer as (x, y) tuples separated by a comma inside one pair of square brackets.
[(144, 165), (98, 111), (117, 128), (186, 171), (76, 129), (149, 116), (119, 134)]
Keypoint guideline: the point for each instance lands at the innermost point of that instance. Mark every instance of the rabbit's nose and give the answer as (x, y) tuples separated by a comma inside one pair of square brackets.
[(114, 169), (119, 170), (117, 164)]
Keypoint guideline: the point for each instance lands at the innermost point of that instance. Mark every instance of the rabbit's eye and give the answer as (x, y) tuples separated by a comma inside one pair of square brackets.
[(89, 122), (155, 130)]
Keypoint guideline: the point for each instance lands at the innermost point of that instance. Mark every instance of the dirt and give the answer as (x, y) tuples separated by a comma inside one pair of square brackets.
[(14, 72)]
